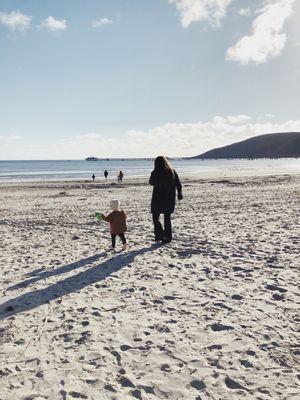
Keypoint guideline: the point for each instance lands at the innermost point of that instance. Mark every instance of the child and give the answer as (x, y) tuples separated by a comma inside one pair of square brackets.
[(117, 221)]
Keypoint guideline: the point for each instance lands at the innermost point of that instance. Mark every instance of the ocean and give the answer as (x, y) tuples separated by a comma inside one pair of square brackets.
[(11, 171)]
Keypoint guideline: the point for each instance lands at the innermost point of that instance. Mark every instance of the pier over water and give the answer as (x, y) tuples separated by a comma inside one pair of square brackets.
[(119, 159)]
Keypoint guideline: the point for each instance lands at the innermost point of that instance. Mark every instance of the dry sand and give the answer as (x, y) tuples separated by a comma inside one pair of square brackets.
[(214, 315)]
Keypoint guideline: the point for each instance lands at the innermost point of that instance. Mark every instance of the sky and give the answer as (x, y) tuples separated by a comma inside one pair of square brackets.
[(138, 78)]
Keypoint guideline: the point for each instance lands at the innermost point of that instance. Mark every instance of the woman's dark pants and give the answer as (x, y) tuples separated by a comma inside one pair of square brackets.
[(113, 239), (160, 233)]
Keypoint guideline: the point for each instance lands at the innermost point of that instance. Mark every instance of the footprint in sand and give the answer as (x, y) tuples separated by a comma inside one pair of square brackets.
[(125, 347), (125, 382), (147, 389), (246, 363), (84, 337), (66, 337), (215, 347), (198, 385), (222, 305), (157, 302), (109, 388), (117, 355), (165, 368), (77, 395), (236, 297), (274, 287), (220, 327), (137, 394), (278, 297), (234, 385), (96, 313)]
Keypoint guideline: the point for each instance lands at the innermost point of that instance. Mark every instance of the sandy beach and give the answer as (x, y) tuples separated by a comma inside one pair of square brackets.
[(213, 315)]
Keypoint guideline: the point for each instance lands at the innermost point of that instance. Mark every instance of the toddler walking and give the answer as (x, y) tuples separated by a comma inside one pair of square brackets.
[(117, 222)]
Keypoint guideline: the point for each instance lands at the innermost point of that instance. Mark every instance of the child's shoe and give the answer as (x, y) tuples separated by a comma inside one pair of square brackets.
[(124, 247)]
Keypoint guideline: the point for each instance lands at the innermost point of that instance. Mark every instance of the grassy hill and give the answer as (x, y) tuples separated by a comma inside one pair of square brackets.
[(273, 145)]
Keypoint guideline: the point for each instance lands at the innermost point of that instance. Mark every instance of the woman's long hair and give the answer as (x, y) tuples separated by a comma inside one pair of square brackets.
[(164, 172)]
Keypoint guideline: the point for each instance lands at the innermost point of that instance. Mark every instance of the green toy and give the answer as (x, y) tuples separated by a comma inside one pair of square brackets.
[(98, 216)]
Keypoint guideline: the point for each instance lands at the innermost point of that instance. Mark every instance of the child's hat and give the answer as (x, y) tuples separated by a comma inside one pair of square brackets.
[(114, 204)]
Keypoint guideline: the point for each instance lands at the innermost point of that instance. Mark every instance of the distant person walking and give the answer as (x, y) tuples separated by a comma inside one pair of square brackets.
[(120, 177), (105, 174), (93, 177), (165, 182)]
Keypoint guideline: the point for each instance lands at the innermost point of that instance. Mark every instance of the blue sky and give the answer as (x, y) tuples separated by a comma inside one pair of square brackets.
[(138, 78)]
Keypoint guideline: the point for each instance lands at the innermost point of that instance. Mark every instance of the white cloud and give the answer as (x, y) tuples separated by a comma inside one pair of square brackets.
[(172, 139), (88, 136), (178, 139), (54, 25), (201, 10), (238, 119), (267, 39), (9, 138), (15, 21), (245, 12), (97, 23)]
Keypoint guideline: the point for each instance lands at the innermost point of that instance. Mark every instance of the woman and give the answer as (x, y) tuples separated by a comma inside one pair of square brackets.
[(165, 181), (120, 177)]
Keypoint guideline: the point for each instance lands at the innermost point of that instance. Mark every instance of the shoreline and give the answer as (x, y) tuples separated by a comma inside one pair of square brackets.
[(137, 181)]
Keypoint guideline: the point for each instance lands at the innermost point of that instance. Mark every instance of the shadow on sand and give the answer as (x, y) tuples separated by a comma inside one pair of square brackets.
[(74, 283), (41, 273)]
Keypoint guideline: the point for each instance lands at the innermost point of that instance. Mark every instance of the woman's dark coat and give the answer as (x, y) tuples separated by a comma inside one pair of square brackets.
[(163, 196)]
